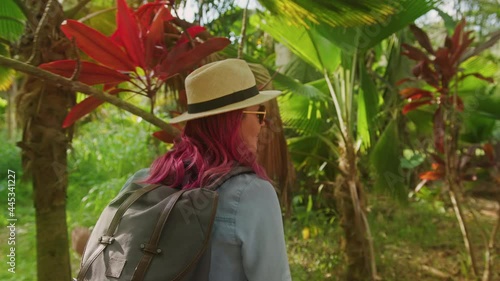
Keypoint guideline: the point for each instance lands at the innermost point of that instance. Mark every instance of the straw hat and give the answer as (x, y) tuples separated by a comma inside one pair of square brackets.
[(220, 87)]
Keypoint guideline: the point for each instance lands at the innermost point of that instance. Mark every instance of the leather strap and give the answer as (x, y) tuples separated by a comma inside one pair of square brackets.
[(151, 249), (107, 238)]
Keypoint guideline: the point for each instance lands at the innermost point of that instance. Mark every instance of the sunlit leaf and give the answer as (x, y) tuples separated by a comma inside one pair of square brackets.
[(11, 21), (83, 108), (385, 163), (128, 31), (97, 45), (90, 73)]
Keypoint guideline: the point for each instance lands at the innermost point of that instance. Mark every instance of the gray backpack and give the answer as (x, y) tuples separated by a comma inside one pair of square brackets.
[(153, 232)]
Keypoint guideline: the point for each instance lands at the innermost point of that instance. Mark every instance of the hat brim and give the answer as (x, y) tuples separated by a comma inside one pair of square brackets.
[(262, 97)]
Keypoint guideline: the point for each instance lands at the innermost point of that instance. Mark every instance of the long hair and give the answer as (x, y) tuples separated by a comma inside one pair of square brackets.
[(208, 148)]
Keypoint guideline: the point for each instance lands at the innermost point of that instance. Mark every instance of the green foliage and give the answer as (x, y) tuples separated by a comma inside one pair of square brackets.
[(6, 74), (104, 155), (367, 36), (10, 159), (341, 13), (304, 41), (11, 21), (385, 157)]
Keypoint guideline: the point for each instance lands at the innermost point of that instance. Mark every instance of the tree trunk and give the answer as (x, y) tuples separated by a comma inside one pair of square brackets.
[(41, 109), (357, 242)]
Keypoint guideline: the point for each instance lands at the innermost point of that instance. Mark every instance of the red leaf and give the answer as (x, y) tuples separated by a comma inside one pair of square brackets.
[(431, 176), (90, 73), (83, 108), (444, 65), (439, 130), (164, 136), (417, 69), (415, 93), (193, 31), (437, 167), (97, 46), (404, 80), (194, 56), (422, 38), (414, 53), (182, 98), (429, 75), (457, 38), (147, 12), (128, 31), (449, 44), (460, 103), (154, 36), (460, 49), (414, 105)]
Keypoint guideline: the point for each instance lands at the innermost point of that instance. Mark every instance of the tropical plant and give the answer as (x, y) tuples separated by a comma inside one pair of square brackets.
[(453, 161), (136, 53), (339, 55)]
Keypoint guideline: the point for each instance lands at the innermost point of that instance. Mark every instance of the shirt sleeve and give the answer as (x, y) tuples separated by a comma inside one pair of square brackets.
[(259, 227)]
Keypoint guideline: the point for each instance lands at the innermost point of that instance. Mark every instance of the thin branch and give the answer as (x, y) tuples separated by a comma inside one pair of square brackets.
[(191, 42), (78, 67), (88, 90), (89, 16), (42, 22), (243, 31), (495, 36), (205, 35)]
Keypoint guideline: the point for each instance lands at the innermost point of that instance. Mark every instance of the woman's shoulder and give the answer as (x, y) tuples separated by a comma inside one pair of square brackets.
[(247, 187), (245, 181)]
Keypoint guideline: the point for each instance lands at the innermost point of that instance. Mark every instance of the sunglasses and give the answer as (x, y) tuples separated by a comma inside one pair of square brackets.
[(261, 113)]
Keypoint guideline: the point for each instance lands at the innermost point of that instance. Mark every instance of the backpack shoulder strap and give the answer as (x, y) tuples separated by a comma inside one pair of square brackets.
[(107, 238), (238, 170)]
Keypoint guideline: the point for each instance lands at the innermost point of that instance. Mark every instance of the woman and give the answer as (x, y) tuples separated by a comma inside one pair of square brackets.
[(224, 118)]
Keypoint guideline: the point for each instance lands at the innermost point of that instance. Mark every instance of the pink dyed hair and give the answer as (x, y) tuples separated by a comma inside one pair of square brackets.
[(208, 148)]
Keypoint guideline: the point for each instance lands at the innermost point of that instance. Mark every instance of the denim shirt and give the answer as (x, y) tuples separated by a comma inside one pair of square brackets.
[(248, 241)]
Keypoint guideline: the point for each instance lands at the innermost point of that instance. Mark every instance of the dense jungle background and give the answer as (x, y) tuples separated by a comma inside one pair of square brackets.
[(384, 147)]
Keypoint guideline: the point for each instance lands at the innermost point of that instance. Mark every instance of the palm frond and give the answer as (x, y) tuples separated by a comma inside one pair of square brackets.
[(280, 81), (304, 115), (11, 21), (385, 160), (365, 37), (305, 42), (345, 13)]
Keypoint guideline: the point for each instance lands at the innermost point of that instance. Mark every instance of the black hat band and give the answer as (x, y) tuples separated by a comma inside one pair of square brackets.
[(223, 101)]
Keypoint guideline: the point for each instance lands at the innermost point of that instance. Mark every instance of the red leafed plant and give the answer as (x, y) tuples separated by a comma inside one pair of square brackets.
[(441, 72), (452, 163), (146, 50)]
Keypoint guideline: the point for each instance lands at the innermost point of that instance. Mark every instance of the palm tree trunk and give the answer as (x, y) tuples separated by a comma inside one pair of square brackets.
[(41, 109), (351, 203)]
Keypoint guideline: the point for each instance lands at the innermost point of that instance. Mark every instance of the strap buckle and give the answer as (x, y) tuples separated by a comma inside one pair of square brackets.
[(106, 240)]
